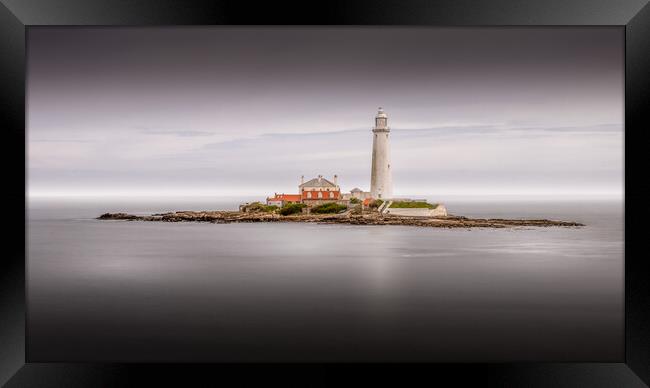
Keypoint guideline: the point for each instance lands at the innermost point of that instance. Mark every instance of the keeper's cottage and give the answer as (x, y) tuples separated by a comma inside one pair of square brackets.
[(319, 190)]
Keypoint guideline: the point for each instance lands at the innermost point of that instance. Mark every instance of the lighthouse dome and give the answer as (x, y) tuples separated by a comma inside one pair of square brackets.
[(381, 114)]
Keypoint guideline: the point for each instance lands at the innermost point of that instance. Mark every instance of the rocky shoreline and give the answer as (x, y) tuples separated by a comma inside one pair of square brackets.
[(225, 217)]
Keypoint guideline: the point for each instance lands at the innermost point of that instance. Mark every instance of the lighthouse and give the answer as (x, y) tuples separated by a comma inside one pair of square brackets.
[(381, 180)]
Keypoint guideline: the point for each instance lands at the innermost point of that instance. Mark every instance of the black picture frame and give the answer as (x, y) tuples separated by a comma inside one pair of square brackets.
[(18, 15)]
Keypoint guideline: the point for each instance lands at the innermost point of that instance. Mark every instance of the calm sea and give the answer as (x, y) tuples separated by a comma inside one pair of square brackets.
[(137, 291)]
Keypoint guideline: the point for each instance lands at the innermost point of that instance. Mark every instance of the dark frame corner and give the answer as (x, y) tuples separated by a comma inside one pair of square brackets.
[(634, 15)]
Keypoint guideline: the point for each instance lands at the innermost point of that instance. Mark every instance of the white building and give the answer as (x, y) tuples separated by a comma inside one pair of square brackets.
[(381, 181), (357, 193), (438, 211)]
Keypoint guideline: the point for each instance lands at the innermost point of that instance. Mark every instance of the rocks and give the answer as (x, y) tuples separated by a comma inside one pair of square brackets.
[(224, 217), (117, 216)]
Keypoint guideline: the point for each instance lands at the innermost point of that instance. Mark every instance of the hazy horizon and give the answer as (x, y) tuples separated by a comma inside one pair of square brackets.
[(240, 111)]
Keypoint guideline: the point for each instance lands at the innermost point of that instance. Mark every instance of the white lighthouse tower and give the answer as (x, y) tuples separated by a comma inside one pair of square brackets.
[(381, 180)]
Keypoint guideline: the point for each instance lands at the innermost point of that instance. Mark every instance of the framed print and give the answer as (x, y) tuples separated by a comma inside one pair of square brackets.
[(388, 189)]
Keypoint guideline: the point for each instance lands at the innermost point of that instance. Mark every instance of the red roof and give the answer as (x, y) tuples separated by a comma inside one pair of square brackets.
[(367, 201), (286, 197)]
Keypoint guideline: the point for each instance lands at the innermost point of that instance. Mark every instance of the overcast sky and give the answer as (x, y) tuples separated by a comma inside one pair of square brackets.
[(228, 111)]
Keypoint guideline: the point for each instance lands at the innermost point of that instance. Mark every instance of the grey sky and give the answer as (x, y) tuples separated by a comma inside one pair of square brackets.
[(227, 111)]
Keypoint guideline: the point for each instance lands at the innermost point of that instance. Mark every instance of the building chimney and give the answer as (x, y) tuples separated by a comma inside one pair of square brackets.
[(320, 178), (336, 179), (302, 179)]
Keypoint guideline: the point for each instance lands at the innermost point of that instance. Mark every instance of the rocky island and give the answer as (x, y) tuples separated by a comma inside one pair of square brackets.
[(320, 200), (347, 217)]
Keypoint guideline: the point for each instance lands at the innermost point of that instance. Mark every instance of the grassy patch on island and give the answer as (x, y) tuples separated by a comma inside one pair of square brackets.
[(327, 208), (413, 205), (260, 207), (292, 208)]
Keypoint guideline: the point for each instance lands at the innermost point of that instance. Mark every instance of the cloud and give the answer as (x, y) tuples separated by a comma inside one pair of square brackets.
[(60, 141), (424, 160), (172, 132)]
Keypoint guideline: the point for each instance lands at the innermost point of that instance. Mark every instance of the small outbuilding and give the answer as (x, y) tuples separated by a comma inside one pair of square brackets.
[(280, 200)]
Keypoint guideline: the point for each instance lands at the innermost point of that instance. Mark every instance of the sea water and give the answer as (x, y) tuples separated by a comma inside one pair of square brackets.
[(153, 291)]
